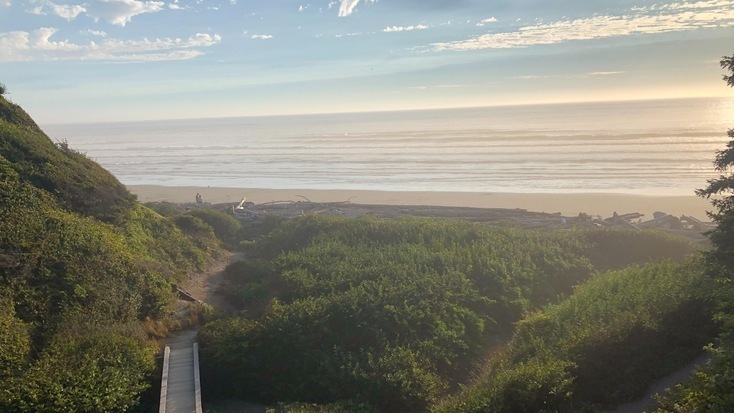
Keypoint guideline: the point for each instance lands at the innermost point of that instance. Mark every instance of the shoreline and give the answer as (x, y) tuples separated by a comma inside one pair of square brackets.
[(568, 204)]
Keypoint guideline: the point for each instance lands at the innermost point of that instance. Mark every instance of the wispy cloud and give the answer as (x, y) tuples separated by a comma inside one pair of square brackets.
[(393, 29), (261, 36), (571, 76), (94, 32), (121, 12), (659, 19), (346, 7), (486, 21), (38, 45), (339, 36), (605, 73), (446, 86)]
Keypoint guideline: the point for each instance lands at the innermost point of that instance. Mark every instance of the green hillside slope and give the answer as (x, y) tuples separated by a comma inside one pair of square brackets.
[(82, 265), (78, 183)]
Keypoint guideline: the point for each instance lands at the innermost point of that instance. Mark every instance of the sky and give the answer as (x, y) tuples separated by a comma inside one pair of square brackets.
[(70, 61)]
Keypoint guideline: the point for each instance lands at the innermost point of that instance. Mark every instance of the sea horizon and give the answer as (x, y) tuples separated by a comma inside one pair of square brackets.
[(654, 147), (377, 111)]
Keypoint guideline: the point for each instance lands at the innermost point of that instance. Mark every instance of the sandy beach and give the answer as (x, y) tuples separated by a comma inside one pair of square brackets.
[(567, 204)]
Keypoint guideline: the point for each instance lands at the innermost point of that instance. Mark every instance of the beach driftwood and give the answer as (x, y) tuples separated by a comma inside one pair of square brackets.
[(696, 224), (684, 225)]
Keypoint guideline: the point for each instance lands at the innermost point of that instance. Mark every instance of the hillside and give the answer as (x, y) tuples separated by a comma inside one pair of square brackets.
[(83, 269), (75, 181)]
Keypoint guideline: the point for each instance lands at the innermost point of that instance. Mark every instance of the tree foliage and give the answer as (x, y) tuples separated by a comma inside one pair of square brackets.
[(721, 192), (712, 388), (727, 63), (392, 314)]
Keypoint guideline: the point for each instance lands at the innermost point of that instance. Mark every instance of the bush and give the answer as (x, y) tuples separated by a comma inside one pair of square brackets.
[(92, 371), (15, 340), (387, 313), (166, 209), (614, 336), (226, 227)]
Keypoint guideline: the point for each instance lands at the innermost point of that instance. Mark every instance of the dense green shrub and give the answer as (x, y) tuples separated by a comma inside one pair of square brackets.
[(614, 248), (167, 248), (226, 227), (710, 389), (15, 340), (166, 209), (102, 370), (392, 313), (613, 337), (59, 266)]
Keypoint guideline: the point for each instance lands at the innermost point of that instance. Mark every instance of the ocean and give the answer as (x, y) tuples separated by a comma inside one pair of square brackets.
[(656, 147)]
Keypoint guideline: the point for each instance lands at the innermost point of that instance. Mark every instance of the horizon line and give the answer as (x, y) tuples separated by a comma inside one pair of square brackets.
[(359, 112)]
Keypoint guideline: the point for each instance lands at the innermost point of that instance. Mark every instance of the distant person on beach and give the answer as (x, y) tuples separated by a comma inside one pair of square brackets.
[(199, 199)]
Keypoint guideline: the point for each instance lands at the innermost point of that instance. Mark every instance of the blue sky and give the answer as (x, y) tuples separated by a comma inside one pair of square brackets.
[(117, 60)]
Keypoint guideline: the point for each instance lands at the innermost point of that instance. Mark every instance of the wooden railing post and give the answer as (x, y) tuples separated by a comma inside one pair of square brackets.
[(164, 380)]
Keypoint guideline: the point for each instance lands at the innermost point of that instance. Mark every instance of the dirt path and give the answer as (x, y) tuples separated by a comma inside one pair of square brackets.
[(206, 285), (646, 403)]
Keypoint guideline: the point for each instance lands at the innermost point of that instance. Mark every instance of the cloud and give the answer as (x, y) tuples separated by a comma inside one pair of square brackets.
[(346, 7), (669, 18), (66, 11), (94, 32), (6, 3), (41, 45), (121, 12), (261, 36), (404, 28), (12, 43), (605, 73), (572, 76), (176, 5), (38, 10), (486, 21)]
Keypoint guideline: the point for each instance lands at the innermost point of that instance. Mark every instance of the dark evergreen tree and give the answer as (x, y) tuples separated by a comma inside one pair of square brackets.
[(721, 192)]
